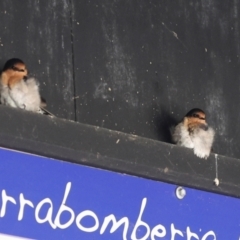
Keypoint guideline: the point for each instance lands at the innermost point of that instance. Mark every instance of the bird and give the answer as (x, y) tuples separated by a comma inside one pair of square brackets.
[(18, 90), (193, 132)]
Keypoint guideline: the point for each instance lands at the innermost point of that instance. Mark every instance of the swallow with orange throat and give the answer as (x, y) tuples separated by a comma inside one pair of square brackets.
[(194, 132), (17, 89)]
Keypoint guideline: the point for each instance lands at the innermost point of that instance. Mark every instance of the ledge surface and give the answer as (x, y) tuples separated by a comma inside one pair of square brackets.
[(116, 151)]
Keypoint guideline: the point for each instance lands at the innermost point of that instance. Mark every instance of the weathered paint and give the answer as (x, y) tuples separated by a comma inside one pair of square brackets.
[(138, 67)]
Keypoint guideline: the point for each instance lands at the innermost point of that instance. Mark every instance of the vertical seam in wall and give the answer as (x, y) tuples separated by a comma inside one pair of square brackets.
[(73, 62)]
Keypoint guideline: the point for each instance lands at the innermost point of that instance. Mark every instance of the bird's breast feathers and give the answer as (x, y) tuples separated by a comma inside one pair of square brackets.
[(199, 137)]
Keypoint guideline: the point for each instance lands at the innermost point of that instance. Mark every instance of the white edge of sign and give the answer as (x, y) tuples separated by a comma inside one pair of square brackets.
[(10, 237)]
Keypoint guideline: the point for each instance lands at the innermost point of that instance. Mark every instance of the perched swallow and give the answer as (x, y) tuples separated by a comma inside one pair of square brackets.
[(17, 89), (194, 132)]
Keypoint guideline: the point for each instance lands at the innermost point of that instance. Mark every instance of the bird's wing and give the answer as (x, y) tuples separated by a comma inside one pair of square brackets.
[(180, 136), (46, 112), (32, 97), (203, 140), (17, 93), (26, 95)]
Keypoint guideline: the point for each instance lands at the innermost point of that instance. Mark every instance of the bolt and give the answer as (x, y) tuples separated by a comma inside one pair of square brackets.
[(180, 192)]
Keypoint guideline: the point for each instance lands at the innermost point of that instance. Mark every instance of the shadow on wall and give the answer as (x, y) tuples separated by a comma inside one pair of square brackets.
[(2, 62), (163, 122)]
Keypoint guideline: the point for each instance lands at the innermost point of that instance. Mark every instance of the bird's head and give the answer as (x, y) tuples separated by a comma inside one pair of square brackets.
[(13, 71), (15, 66), (196, 116)]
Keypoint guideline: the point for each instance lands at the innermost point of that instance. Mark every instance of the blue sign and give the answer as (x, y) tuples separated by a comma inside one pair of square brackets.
[(46, 199)]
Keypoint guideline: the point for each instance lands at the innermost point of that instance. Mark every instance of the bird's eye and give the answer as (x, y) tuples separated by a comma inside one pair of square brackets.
[(17, 69), (195, 115)]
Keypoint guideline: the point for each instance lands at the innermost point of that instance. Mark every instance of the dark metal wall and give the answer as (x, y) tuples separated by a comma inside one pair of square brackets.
[(39, 32), (135, 67)]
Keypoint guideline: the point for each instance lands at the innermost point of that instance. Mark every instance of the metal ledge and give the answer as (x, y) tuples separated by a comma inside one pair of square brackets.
[(116, 151)]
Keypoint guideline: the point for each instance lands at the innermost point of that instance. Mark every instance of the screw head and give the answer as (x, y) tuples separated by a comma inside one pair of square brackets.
[(180, 192)]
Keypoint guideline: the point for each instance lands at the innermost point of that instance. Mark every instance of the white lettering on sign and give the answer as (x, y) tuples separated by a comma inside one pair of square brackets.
[(141, 223), (23, 202), (6, 199), (48, 217), (191, 234), (210, 233), (174, 232), (158, 231), (64, 208), (155, 232), (84, 214), (115, 225)]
